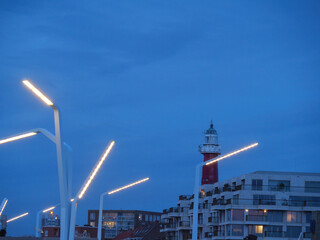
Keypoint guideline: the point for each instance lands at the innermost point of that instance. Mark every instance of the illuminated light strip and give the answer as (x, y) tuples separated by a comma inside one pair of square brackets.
[(127, 186), (4, 205), (48, 209), (17, 137), (97, 167), (233, 153), (15, 218), (37, 92)]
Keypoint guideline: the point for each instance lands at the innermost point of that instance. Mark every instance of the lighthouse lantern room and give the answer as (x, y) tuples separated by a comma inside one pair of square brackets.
[(210, 149)]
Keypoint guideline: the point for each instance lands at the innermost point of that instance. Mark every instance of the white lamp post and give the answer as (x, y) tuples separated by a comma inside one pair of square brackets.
[(109, 193), (197, 186), (63, 171), (38, 220), (84, 188)]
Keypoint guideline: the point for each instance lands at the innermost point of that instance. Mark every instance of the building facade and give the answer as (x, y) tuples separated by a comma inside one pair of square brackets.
[(270, 205), (115, 222)]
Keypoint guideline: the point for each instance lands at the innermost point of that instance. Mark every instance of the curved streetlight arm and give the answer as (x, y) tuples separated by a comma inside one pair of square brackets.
[(65, 180), (28, 133)]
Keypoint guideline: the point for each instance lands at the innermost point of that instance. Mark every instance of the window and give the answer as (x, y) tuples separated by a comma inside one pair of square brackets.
[(236, 199), (228, 215), (279, 185), (294, 217), (237, 214), (140, 217), (257, 184), (228, 230), (46, 233), (237, 230), (158, 218), (256, 215), (308, 217), (273, 231), (109, 216), (146, 217), (302, 201), (312, 187), (92, 216), (264, 200), (150, 218), (293, 232), (92, 224), (275, 216), (243, 182), (111, 224), (255, 230)]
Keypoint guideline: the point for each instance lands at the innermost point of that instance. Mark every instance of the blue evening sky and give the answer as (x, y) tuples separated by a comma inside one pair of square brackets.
[(151, 75)]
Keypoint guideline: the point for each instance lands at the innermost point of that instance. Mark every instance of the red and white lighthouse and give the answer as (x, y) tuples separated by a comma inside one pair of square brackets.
[(210, 149)]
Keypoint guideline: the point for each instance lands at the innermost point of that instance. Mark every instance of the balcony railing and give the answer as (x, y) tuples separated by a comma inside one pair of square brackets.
[(258, 218), (168, 225), (185, 197), (274, 234), (213, 219), (184, 224)]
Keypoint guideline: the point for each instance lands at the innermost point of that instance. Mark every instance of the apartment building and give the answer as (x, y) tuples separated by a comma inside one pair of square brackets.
[(115, 222), (269, 205)]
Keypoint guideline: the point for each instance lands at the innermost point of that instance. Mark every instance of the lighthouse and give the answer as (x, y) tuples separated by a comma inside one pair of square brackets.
[(210, 149)]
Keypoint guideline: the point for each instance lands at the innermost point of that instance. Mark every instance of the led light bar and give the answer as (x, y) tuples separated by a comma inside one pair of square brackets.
[(37, 92), (95, 170), (17, 137), (232, 153), (4, 205), (127, 186), (15, 218), (48, 209)]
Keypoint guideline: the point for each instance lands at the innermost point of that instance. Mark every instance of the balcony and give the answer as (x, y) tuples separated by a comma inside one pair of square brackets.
[(184, 225), (167, 227), (185, 197), (174, 212), (274, 234), (209, 194), (213, 220)]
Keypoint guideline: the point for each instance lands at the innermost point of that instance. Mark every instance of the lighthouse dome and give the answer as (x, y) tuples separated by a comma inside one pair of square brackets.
[(211, 130)]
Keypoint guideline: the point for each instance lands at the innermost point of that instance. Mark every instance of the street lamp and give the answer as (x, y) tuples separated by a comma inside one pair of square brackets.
[(85, 187), (109, 193), (197, 186), (64, 185), (38, 220)]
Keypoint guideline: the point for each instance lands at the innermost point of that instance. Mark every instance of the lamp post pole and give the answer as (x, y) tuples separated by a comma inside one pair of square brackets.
[(100, 215), (197, 184)]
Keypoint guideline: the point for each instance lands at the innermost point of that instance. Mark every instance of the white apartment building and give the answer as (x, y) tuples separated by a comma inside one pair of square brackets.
[(270, 205)]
